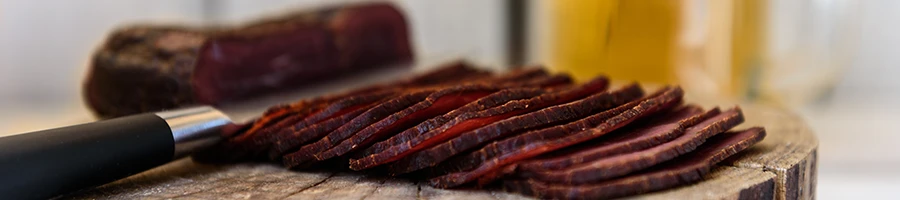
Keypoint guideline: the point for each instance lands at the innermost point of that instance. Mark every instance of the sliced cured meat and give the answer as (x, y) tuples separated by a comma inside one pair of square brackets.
[(490, 101), (544, 117), (238, 144), (292, 113), (619, 165), (541, 118), (446, 74), (474, 159), (472, 120), (532, 144), (291, 143), (471, 160), (435, 104), (253, 143), (277, 114), (631, 138), (305, 153), (338, 108), (464, 163), (312, 133), (683, 170)]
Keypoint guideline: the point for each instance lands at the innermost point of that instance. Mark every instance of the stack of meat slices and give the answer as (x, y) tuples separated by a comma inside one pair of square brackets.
[(528, 130)]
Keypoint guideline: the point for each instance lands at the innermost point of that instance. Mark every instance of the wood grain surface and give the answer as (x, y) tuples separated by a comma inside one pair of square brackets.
[(783, 166)]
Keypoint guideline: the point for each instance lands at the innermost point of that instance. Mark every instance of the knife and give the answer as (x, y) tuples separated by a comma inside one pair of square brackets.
[(47, 163)]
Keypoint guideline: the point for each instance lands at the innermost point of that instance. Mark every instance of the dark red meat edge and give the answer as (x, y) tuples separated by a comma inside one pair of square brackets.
[(338, 108), (311, 133), (631, 138), (619, 165), (516, 125), (472, 120), (490, 101), (683, 170), (436, 104), (474, 159), (669, 98), (555, 131), (399, 121), (382, 110), (284, 147)]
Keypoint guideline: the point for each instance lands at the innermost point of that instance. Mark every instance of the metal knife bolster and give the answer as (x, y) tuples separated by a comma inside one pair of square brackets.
[(194, 128)]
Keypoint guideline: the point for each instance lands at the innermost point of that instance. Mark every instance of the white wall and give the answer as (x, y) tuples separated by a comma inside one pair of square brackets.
[(876, 69)]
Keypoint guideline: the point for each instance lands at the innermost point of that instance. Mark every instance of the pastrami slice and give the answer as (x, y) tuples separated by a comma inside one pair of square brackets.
[(277, 115), (336, 109), (541, 118), (239, 144), (309, 134), (305, 153), (476, 158), (683, 170), (619, 165), (549, 81), (437, 103), (472, 120), (486, 102), (411, 163), (632, 138), (669, 98)]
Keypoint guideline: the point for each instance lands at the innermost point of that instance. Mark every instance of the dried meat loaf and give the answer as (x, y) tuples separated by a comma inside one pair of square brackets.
[(151, 68)]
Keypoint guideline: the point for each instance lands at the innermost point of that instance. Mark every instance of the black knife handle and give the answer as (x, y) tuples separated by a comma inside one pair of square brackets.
[(47, 163)]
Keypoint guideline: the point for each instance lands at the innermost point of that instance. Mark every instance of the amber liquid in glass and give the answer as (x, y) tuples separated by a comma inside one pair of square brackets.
[(646, 41), (627, 40)]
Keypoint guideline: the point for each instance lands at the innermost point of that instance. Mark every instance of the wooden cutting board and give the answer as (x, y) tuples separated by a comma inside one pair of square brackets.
[(783, 166)]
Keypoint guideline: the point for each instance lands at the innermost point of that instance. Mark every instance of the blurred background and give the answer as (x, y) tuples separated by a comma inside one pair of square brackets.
[(831, 61)]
